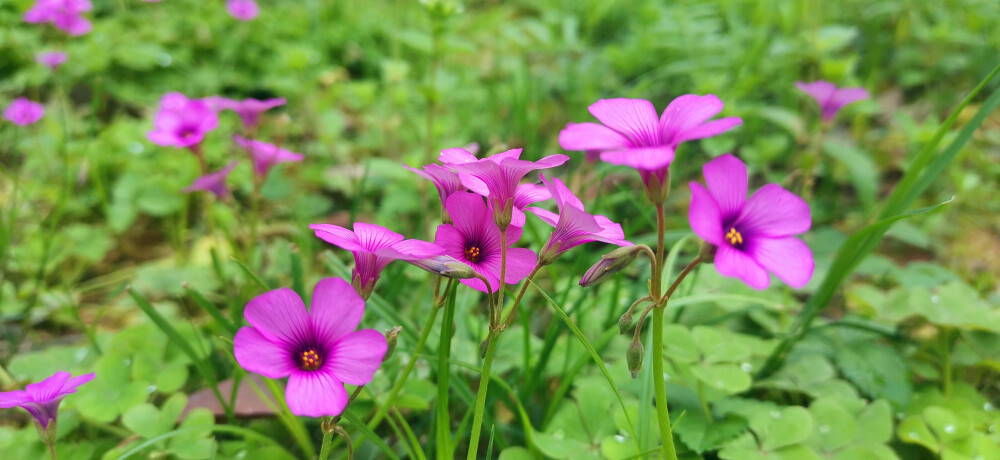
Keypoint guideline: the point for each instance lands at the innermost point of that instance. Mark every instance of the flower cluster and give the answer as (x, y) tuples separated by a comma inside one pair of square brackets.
[(24, 112), (66, 15)]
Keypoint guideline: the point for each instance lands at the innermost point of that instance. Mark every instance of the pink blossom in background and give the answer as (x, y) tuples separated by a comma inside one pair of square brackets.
[(214, 183), (244, 10), (474, 239), (630, 133), (24, 112), (266, 156), (752, 236), (573, 225), (42, 399), (374, 247), (66, 15), (830, 98), (181, 122), (496, 177), (318, 350), (446, 181), (51, 59), (249, 110)]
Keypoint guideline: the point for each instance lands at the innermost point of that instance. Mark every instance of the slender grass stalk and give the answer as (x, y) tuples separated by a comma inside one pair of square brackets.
[(444, 355), (484, 383), (660, 389)]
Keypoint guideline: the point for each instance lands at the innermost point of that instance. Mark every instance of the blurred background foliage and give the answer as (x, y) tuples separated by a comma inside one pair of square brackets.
[(372, 84)]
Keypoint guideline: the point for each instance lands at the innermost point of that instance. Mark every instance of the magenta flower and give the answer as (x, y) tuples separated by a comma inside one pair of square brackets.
[(182, 122), (66, 15), (373, 248), (213, 182), (524, 195), (475, 240), (496, 177), (632, 135), (51, 59), (249, 110), (266, 156), (446, 181), (830, 98), (319, 350), (243, 10), (42, 399), (23, 112), (573, 225), (755, 236)]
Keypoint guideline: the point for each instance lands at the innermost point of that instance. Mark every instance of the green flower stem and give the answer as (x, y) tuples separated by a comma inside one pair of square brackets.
[(813, 156), (660, 386), (401, 379), (444, 356), (326, 446), (52, 450), (484, 383)]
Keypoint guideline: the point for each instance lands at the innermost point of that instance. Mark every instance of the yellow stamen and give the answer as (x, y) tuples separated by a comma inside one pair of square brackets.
[(734, 237), (311, 360), (472, 254)]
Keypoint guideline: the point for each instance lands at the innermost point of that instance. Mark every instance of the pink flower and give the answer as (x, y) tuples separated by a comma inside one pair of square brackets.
[(248, 109), (266, 156), (496, 177), (830, 98), (755, 236), (243, 10), (573, 226), (373, 248), (42, 399), (23, 112), (632, 135), (524, 195), (66, 15), (182, 122), (51, 59), (475, 240), (213, 182), (319, 350)]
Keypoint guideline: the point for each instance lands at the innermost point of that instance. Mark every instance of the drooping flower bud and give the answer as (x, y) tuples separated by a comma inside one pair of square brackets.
[(634, 357), (391, 336), (610, 264), (446, 266), (626, 325), (707, 253)]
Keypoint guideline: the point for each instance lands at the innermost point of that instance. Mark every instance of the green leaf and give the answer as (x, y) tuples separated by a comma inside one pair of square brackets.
[(914, 430), (702, 435), (877, 370), (835, 426), (725, 377), (946, 425), (784, 427), (860, 167), (875, 423)]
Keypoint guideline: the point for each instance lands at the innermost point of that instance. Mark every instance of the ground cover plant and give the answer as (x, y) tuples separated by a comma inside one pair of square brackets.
[(516, 230)]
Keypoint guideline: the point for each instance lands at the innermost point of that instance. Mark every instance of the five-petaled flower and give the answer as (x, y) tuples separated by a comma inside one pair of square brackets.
[(573, 225), (752, 236), (373, 247), (265, 156), (249, 109), (41, 400), (24, 112), (496, 177), (830, 98), (66, 15), (213, 182), (319, 350), (474, 239), (243, 10), (182, 122), (632, 135), (51, 59)]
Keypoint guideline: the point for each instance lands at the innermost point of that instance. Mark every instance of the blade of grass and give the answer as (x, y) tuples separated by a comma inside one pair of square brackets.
[(253, 276), (287, 418), (246, 433), (177, 339), (597, 359), (443, 418), (359, 425), (211, 309)]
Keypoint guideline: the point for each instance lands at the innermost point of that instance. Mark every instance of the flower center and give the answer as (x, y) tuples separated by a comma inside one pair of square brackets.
[(472, 254), (735, 238), (310, 360)]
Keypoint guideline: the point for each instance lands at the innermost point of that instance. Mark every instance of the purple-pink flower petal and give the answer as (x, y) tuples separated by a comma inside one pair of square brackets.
[(830, 98), (356, 356), (774, 211), (634, 118), (315, 394), (265, 155), (641, 158), (704, 215), (789, 258), (336, 309), (213, 182), (243, 10), (726, 178), (591, 136), (732, 262), (24, 112), (51, 59), (280, 316), (256, 353)]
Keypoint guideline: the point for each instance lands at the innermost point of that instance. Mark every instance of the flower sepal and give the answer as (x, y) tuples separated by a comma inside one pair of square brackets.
[(707, 252), (47, 433), (656, 185)]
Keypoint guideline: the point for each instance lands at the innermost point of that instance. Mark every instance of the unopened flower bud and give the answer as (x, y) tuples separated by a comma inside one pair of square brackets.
[(391, 336), (657, 186), (626, 325), (610, 264), (707, 253), (634, 357), (446, 266)]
